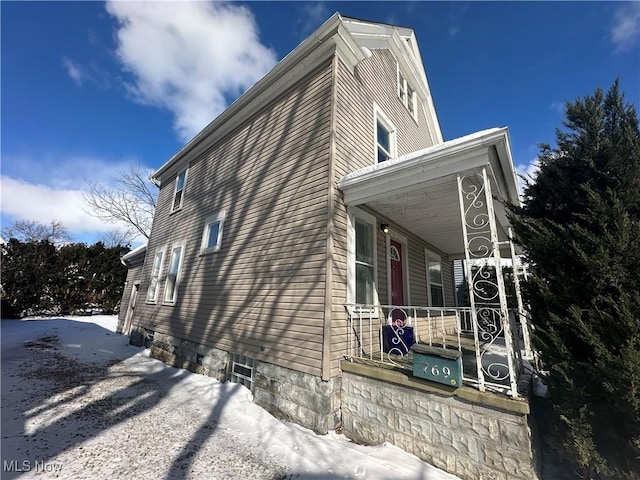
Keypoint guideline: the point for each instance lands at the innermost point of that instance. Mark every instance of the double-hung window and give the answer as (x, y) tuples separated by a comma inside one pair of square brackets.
[(173, 275), (212, 234), (434, 279), (361, 258), (385, 134), (178, 194), (158, 260), (364, 262), (407, 94)]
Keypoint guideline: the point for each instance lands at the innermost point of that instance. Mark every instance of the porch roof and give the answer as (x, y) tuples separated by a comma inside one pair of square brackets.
[(419, 191)]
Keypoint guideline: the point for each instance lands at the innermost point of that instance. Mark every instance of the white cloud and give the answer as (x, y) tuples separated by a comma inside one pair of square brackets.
[(625, 31), (313, 14), (558, 107), (22, 200), (63, 171), (47, 187), (529, 171), (189, 57), (74, 70), (80, 73)]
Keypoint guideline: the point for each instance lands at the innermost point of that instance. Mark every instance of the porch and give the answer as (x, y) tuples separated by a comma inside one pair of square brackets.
[(385, 336), (452, 199)]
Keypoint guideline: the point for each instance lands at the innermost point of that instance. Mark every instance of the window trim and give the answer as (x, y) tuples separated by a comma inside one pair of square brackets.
[(380, 117), (183, 189), (160, 250), (211, 219), (409, 101), (430, 254), (173, 300), (354, 213)]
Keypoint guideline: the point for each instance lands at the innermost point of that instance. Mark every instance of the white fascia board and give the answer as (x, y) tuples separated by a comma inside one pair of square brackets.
[(348, 49), (417, 168), (409, 177), (314, 49), (390, 38), (134, 253), (508, 169)]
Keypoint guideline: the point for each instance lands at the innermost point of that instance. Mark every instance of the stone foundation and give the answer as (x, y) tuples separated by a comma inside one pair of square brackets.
[(299, 397), (184, 354), (468, 437), (295, 396)]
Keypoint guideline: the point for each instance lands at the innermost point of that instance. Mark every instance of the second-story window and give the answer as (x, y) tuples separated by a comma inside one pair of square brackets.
[(178, 195), (385, 137), (212, 234)]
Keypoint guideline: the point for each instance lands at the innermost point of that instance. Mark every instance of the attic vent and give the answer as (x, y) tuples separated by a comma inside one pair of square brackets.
[(241, 371)]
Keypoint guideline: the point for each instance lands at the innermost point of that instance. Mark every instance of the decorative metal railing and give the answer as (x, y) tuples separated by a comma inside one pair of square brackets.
[(386, 333)]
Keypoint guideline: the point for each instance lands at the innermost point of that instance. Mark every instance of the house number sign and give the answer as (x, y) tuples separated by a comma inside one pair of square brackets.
[(437, 364)]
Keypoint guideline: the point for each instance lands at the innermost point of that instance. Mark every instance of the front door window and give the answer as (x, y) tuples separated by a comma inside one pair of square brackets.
[(397, 274)]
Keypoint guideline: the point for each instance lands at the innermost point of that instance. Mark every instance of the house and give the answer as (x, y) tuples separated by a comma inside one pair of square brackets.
[(321, 209)]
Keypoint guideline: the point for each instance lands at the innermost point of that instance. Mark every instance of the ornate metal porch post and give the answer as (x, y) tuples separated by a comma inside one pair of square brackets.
[(523, 317), (487, 293)]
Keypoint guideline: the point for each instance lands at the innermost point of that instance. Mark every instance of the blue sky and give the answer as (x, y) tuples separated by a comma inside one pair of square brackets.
[(89, 88)]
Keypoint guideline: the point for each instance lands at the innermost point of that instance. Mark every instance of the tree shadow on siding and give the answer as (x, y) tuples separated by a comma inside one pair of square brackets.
[(262, 293)]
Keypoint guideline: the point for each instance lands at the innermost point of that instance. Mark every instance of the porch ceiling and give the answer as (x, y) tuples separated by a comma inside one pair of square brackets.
[(419, 191), (431, 212)]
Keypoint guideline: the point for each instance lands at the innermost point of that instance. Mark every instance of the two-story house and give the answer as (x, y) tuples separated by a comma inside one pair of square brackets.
[(321, 206)]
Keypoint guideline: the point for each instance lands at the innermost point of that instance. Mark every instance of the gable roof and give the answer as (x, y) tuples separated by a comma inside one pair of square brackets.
[(352, 40)]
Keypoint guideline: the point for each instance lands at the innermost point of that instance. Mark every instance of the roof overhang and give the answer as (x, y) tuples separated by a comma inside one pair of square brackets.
[(349, 39), (127, 257), (419, 191)]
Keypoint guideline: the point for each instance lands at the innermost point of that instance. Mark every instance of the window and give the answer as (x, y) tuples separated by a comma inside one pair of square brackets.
[(152, 293), (173, 276), (362, 267), (178, 195), (212, 234), (385, 134), (242, 370), (364, 263), (434, 279), (407, 94)]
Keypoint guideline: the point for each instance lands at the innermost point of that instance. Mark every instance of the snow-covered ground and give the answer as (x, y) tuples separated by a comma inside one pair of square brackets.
[(79, 402)]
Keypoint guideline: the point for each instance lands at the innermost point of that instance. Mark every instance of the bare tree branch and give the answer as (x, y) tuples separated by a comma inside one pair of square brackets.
[(115, 238), (130, 199), (29, 231)]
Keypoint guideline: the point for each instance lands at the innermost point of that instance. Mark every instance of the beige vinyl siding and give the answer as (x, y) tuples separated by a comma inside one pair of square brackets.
[(378, 75), (262, 293), (134, 274), (374, 80)]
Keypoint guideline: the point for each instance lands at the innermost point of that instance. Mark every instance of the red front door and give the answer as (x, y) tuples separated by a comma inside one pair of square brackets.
[(397, 275)]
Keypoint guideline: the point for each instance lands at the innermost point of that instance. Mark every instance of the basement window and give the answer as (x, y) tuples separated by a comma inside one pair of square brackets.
[(241, 370)]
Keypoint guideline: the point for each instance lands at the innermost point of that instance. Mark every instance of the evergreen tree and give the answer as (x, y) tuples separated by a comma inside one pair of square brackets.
[(580, 228), (40, 278), (29, 275)]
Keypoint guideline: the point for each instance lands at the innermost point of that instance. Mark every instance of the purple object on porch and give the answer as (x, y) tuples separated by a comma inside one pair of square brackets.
[(397, 339)]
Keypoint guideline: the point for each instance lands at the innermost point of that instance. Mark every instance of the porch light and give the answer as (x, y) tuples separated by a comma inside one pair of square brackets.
[(384, 227)]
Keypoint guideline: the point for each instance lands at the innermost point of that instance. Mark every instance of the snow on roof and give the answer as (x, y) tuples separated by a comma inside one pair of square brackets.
[(442, 147)]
